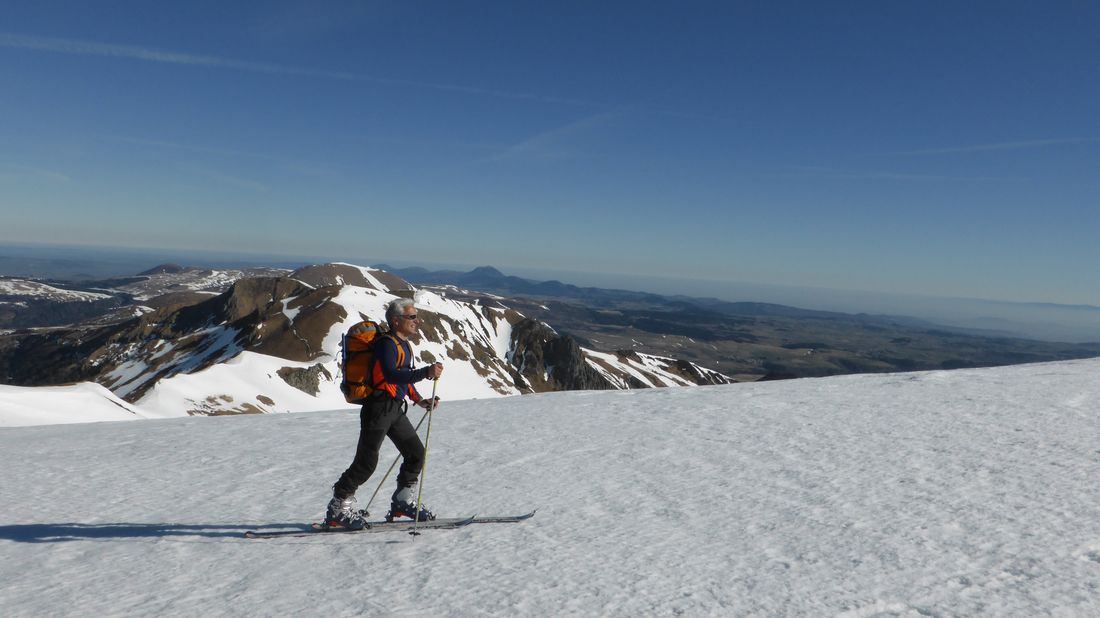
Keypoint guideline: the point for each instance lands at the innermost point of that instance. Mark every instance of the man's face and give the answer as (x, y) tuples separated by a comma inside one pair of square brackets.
[(408, 322)]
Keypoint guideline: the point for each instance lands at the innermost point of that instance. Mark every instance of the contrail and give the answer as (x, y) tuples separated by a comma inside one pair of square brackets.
[(1035, 143), (133, 52), (85, 48)]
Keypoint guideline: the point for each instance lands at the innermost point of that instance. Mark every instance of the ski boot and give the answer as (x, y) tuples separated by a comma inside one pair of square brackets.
[(403, 504), (341, 514)]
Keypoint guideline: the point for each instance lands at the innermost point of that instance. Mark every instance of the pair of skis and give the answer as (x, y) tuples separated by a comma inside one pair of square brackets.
[(390, 526)]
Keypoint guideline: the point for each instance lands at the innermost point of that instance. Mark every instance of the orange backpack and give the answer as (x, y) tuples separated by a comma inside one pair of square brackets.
[(357, 349)]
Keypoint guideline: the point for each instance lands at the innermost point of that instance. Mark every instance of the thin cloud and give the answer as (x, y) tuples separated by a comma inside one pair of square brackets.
[(227, 179), (839, 174), (307, 20), (26, 172), (132, 52), (1018, 145), (86, 48), (547, 144), (298, 166), (203, 149), (147, 54)]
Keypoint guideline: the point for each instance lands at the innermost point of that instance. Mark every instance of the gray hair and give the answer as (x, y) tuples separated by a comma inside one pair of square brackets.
[(396, 308)]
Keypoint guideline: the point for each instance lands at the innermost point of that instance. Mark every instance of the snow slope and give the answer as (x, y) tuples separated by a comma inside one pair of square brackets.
[(40, 291), (285, 356), (969, 492), (78, 403), (243, 381)]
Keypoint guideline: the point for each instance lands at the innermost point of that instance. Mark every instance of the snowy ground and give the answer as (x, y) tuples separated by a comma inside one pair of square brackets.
[(77, 403), (967, 493)]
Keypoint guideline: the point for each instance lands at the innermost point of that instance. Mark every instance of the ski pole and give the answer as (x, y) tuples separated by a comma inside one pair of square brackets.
[(424, 468), (392, 466)]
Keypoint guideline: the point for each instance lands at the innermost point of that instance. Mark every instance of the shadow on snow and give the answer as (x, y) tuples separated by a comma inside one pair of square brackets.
[(54, 533)]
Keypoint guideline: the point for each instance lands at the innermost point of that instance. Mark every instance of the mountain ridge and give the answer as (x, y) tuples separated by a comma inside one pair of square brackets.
[(182, 322), (288, 328)]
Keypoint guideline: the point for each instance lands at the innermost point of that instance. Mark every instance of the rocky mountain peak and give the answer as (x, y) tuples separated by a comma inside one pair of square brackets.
[(546, 360), (256, 295), (324, 275), (486, 271), (245, 298)]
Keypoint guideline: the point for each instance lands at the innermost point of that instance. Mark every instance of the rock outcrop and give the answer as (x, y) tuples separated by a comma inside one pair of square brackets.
[(546, 361)]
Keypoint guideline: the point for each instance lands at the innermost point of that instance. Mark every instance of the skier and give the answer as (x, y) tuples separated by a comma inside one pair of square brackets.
[(384, 415)]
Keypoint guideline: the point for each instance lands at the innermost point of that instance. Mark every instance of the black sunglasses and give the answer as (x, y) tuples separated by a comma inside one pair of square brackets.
[(409, 317)]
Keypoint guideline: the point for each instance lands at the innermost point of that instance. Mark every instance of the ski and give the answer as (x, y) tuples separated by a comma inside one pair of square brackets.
[(387, 526), (503, 519), (374, 526)]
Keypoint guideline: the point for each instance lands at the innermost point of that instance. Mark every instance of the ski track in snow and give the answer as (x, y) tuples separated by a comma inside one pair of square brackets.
[(953, 493)]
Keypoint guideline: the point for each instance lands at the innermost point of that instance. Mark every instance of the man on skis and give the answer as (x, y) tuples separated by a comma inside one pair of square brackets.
[(383, 415)]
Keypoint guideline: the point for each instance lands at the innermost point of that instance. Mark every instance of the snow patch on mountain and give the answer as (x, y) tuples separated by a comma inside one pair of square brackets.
[(249, 383), (42, 291), (193, 280), (650, 371), (246, 382), (370, 275)]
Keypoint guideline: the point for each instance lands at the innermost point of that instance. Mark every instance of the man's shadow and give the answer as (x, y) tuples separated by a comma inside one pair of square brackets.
[(56, 533)]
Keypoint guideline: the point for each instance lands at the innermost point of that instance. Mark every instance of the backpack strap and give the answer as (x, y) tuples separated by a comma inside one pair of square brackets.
[(400, 357)]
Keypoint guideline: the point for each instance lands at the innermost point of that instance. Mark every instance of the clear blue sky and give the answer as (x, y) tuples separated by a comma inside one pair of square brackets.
[(946, 148)]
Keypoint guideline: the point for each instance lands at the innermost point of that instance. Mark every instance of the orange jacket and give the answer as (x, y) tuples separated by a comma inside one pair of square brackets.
[(393, 371)]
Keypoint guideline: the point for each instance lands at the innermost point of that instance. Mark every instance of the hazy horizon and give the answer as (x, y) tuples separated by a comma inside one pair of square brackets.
[(1048, 321)]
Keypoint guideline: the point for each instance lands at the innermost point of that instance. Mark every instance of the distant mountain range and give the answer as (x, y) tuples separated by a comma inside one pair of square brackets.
[(224, 341), (752, 339), (1035, 320), (489, 279), (199, 341)]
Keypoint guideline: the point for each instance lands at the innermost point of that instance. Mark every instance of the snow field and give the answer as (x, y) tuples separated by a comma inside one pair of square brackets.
[(36, 289), (77, 403), (943, 493)]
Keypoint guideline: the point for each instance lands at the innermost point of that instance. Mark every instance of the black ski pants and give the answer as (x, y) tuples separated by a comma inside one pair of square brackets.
[(379, 418)]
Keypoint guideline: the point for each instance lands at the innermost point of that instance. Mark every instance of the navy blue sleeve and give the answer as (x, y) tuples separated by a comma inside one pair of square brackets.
[(386, 351)]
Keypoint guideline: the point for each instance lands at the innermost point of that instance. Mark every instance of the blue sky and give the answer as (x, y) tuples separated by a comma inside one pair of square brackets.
[(938, 148)]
